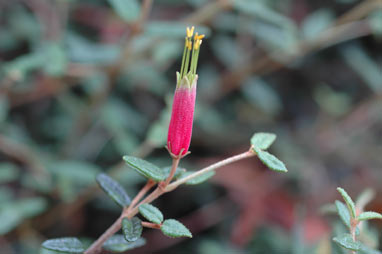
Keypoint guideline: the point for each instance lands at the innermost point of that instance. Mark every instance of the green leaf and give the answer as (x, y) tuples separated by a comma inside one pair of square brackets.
[(178, 173), (174, 228), (55, 59), (349, 202), (4, 107), (128, 10), (316, 22), (343, 212), (117, 243), (271, 161), (65, 244), (8, 172), (367, 250), (113, 189), (364, 198), (132, 229), (262, 95), (145, 168), (78, 172), (199, 179), (12, 214), (263, 140), (151, 213), (369, 216), (346, 241)]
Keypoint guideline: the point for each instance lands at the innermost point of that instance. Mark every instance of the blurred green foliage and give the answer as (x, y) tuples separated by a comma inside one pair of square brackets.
[(83, 83)]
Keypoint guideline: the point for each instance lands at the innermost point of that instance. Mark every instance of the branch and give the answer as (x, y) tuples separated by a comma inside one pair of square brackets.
[(130, 212), (219, 164)]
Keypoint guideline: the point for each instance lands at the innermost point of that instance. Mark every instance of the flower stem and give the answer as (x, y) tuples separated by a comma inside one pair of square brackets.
[(219, 164), (175, 163)]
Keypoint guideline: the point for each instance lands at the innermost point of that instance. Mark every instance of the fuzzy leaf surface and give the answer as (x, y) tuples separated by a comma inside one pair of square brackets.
[(145, 168), (151, 213), (263, 140), (113, 189), (174, 228), (346, 241), (118, 243), (349, 202), (132, 229), (369, 216), (65, 245), (271, 161)]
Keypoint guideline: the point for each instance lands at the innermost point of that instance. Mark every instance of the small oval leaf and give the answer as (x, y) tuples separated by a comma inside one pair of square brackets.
[(174, 228), (128, 10), (346, 241), (151, 213), (343, 212), (369, 216), (145, 168), (132, 229), (263, 140), (349, 202), (178, 173), (199, 179), (271, 161), (65, 244), (117, 243), (113, 189)]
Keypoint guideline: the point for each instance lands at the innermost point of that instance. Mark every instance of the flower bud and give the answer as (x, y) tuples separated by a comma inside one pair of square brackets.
[(182, 116)]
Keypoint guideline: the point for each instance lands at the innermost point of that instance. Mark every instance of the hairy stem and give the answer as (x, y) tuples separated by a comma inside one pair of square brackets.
[(219, 164), (175, 163), (97, 245), (150, 183)]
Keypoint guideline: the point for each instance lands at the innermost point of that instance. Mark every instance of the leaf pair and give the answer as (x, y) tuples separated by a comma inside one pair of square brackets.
[(351, 208), (262, 141), (348, 213), (169, 227)]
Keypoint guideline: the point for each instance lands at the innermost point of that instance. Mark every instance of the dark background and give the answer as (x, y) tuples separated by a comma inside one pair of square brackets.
[(83, 83)]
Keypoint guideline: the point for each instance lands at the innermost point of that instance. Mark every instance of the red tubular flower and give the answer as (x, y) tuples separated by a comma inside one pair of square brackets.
[(182, 116)]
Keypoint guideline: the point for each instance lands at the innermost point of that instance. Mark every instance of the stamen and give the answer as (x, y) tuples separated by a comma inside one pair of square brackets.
[(188, 67)]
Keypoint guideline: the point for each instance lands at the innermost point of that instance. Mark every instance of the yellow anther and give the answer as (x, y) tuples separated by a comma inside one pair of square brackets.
[(199, 37), (196, 36), (197, 44), (189, 44), (190, 32)]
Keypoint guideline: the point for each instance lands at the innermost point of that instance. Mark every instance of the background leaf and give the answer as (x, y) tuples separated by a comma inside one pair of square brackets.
[(117, 243), (127, 10), (343, 212), (347, 242), (114, 190), (65, 244), (199, 179)]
